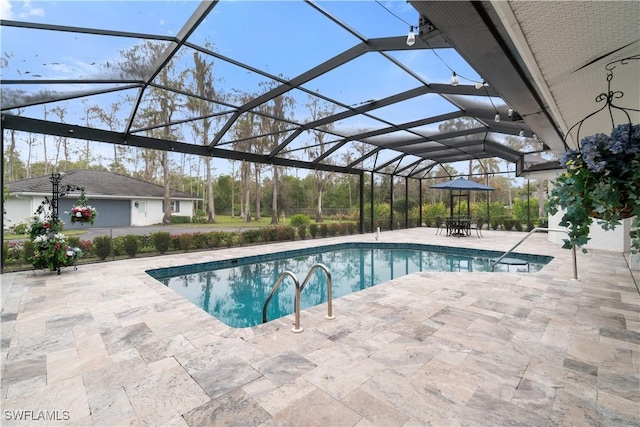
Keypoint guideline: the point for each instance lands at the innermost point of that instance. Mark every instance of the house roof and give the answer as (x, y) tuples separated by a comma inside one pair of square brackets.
[(97, 183)]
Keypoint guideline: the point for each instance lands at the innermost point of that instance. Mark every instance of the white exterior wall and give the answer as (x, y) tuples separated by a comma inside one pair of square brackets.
[(20, 209), (149, 212), (617, 240)]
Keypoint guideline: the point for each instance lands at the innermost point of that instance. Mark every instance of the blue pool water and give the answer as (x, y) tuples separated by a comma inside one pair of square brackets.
[(234, 291)]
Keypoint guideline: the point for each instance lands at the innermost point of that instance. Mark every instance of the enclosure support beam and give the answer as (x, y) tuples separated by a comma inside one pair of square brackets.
[(391, 204), (406, 202), (420, 201), (361, 225), (372, 202)]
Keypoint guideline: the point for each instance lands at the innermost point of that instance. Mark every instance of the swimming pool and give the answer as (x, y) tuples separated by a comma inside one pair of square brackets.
[(234, 291)]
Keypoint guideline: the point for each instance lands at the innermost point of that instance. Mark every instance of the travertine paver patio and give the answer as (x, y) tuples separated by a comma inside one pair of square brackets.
[(112, 346)]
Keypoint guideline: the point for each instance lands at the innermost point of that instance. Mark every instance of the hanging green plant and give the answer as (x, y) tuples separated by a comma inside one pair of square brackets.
[(602, 181)]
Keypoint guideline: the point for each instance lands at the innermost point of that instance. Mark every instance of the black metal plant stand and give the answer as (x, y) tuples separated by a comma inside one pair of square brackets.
[(57, 192)]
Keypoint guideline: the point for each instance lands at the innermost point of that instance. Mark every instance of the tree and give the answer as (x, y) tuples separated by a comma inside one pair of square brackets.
[(243, 132), (319, 109), (458, 124), (109, 117), (11, 155), (202, 84), (159, 108), (61, 141), (274, 132)]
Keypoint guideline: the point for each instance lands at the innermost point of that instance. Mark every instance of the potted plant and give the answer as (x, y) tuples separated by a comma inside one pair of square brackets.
[(602, 181), (83, 212), (50, 248), (51, 251)]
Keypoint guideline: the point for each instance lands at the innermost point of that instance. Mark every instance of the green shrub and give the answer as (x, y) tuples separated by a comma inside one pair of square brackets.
[(161, 241), (333, 229), (313, 230), (518, 225), (86, 246), (299, 219), (177, 219), (302, 231), (73, 241), (102, 246), (20, 228), (282, 233), (5, 251), (175, 241), (186, 241), (215, 239), (291, 231), (131, 245), (229, 237), (508, 224), (352, 227), (324, 230), (145, 241), (200, 240), (251, 236), (27, 251), (495, 223)]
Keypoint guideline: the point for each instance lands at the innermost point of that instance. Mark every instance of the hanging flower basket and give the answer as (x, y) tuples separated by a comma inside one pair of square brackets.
[(83, 212), (601, 181)]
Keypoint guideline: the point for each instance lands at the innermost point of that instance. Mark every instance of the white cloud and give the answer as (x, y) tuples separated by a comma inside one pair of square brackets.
[(35, 11), (28, 11), (5, 10), (162, 22)]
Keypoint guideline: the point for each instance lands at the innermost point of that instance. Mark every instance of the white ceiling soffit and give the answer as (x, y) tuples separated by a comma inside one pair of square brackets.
[(566, 46), (547, 59)]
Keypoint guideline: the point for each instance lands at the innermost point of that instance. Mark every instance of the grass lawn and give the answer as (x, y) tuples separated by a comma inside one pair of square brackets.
[(225, 221)]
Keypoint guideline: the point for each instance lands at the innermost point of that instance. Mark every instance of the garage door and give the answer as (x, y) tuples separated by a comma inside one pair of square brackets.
[(111, 213)]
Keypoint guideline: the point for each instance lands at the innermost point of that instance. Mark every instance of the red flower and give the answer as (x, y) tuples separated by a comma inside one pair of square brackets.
[(47, 225), (57, 245)]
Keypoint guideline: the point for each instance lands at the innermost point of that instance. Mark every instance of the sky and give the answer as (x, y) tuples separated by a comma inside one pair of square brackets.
[(282, 38)]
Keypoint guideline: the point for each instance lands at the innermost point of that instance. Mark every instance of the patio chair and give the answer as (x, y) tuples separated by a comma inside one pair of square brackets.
[(439, 224), (478, 226)]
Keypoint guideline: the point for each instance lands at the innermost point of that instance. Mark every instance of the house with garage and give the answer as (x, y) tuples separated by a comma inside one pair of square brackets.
[(119, 199)]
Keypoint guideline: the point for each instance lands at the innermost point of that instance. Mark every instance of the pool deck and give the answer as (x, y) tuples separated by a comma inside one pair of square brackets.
[(112, 346)]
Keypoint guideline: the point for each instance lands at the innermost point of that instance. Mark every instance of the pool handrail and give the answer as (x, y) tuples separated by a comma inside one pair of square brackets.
[(296, 304), (321, 266), (282, 276), (561, 230)]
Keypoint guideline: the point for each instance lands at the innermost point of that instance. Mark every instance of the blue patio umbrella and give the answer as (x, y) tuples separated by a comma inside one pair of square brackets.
[(461, 184)]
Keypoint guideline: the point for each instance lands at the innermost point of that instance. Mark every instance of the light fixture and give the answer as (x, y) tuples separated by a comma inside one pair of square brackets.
[(534, 136), (136, 204), (497, 117), (411, 38), (479, 85), (510, 112), (454, 79), (521, 132)]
